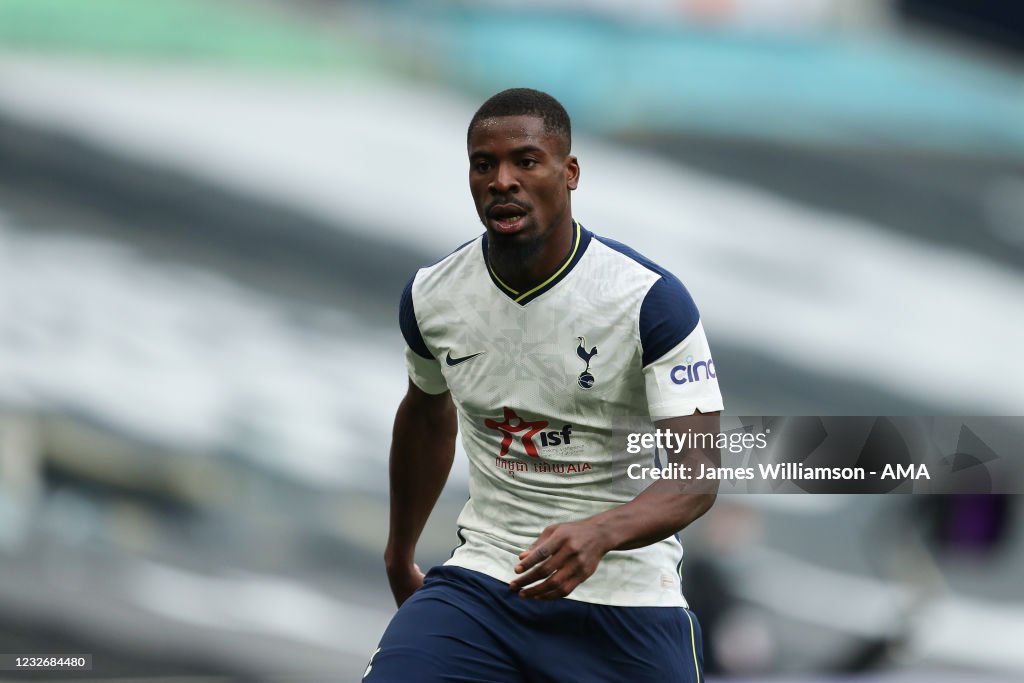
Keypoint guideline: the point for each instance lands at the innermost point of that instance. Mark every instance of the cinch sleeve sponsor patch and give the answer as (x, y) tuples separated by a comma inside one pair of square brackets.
[(684, 379)]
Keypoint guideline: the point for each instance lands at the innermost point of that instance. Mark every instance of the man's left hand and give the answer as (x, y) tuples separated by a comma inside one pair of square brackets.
[(563, 557)]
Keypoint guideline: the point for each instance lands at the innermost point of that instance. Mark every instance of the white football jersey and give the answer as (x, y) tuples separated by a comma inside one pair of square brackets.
[(544, 381)]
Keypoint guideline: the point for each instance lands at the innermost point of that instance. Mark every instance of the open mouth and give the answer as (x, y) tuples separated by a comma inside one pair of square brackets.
[(507, 218)]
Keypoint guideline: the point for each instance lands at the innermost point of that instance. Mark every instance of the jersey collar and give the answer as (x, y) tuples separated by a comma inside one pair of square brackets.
[(580, 240)]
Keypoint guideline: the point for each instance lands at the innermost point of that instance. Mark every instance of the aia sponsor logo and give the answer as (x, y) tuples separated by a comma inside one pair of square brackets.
[(691, 372), (513, 427)]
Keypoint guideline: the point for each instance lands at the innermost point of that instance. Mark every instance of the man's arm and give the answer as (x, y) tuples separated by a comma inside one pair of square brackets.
[(567, 554), (422, 450)]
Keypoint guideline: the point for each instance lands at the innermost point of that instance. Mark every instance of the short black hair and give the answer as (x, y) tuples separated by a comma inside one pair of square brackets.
[(527, 102)]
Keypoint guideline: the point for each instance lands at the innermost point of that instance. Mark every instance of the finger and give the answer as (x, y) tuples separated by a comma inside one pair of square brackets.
[(536, 556), (558, 585), (544, 535), (538, 572), (531, 548), (541, 571), (562, 588)]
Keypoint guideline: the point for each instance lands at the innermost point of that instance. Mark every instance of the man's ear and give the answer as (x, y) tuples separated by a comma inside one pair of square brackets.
[(572, 172)]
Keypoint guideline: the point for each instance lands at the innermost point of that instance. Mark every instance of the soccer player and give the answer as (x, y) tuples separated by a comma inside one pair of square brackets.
[(539, 340)]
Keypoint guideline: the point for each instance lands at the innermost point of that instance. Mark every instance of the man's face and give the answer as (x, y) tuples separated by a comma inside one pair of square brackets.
[(520, 177)]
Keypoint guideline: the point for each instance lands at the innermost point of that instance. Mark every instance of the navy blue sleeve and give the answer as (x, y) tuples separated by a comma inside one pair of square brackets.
[(667, 317), (407, 321)]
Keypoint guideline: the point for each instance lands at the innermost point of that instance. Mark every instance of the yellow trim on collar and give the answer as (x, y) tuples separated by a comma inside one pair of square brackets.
[(572, 254), (498, 280)]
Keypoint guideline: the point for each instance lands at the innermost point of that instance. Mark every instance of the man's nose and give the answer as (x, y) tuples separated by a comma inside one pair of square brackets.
[(504, 180)]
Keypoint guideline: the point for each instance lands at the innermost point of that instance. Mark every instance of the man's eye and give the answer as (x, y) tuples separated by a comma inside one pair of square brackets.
[(527, 163), (481, 167)]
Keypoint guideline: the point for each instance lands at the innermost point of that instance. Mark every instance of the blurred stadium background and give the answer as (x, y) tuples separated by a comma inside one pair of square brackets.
[(208, 210)]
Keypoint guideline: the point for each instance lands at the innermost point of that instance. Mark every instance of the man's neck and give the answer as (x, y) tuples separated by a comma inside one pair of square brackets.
[(524, 266)]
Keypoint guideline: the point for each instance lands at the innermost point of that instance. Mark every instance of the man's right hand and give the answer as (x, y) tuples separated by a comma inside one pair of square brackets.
[(405, 579)]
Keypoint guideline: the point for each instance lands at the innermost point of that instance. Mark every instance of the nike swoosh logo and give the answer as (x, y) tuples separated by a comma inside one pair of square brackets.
[(452, 362)]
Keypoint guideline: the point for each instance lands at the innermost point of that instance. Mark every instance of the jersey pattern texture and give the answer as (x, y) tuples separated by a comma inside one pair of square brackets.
[(547, 382)]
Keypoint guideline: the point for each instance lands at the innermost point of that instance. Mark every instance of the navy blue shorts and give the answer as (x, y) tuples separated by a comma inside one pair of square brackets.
[(468, 627)]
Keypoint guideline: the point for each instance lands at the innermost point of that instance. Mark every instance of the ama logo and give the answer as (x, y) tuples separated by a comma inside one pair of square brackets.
[(513, 426), (690, 371), (586, 380)]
